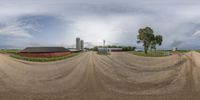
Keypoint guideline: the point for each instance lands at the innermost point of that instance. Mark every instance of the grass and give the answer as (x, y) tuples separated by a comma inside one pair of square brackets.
[(17, 56), (158, 53), (182, 51), (10, 51), (198, 51)]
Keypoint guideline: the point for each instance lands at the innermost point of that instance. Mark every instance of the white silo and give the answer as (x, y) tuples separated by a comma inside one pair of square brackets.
[(78, 43), (82, 44)]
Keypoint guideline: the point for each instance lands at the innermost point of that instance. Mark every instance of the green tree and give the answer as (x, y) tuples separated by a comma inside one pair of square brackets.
[(157, 40), (145, 36)]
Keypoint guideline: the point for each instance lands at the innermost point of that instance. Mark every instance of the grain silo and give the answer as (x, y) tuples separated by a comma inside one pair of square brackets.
[(82, 44), (78, 43)]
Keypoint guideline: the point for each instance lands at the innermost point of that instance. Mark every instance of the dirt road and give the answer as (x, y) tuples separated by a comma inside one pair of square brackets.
[(88, 76)]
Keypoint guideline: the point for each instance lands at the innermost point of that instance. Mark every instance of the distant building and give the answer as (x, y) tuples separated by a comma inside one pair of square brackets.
[(44, 51), (106, 50), (103, 50), (78, 43)]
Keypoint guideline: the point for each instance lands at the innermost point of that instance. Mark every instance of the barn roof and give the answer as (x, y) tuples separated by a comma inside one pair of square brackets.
[(44, 49)]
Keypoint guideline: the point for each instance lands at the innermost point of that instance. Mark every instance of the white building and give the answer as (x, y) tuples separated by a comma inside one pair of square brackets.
[(103, 50), (107, 50)]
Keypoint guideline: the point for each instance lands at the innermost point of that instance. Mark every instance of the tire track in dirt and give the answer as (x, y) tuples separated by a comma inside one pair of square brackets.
[(138, 86), (95, 77)]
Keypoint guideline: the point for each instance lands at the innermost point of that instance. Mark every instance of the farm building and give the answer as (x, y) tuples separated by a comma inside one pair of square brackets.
[(106, 50), (44, 51), (103, 50)]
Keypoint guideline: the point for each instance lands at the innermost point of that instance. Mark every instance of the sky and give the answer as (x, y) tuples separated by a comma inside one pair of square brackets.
[(58, 22)]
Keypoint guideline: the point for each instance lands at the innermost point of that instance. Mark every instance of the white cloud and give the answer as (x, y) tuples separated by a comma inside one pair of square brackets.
[(197, 33), (97, 29), (117, 21), (14, 29)]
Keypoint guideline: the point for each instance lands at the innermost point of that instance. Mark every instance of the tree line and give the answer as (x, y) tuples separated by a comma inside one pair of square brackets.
[(124, 48)]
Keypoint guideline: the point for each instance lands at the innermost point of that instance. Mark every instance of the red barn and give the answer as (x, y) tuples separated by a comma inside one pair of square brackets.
[(44, 52)]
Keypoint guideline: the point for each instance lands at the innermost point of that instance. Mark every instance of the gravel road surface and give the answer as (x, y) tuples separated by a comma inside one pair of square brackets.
[(88, 76)]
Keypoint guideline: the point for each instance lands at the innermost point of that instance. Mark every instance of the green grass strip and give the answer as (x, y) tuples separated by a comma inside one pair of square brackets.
[(17, 56)]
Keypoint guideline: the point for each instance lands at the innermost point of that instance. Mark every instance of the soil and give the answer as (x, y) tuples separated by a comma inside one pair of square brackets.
[(88, 76)]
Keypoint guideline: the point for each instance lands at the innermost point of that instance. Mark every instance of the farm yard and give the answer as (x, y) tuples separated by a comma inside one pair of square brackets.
[(100, 50), (89, 76)]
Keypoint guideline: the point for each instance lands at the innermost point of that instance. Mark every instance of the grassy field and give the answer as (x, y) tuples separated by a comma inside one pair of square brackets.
[(10, 51), (159, 53), (182, 51), (17, 56), (198, 51)]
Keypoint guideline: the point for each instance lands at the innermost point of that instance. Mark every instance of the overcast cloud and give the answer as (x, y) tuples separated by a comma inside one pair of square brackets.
[(57, 23)]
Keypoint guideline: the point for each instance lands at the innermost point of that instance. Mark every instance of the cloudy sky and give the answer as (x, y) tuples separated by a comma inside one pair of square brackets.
[(58, 22)]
